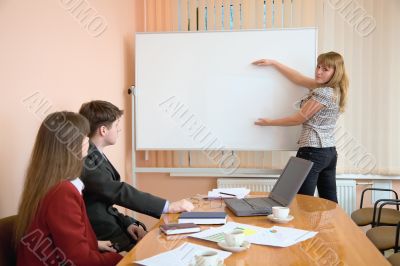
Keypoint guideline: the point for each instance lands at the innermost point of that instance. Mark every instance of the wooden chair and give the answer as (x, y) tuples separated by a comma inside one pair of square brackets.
[(7, 251), (366, 216)]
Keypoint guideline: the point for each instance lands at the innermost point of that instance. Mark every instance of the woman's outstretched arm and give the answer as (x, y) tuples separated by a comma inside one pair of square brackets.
[(291, 74)]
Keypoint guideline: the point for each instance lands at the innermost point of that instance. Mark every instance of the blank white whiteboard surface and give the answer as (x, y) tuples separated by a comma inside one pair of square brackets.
[(199, 90)]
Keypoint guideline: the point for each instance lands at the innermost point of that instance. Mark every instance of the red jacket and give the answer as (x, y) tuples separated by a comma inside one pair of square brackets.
[(61, 233)]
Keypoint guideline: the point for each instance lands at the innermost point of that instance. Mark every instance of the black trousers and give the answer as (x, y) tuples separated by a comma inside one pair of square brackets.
[(322, 174)]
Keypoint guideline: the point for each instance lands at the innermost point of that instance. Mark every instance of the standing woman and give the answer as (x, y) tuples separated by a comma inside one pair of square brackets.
[(319, 111), (52, 226)]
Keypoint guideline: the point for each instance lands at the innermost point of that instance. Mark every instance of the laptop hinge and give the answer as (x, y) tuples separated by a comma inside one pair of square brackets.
[(271, 198)]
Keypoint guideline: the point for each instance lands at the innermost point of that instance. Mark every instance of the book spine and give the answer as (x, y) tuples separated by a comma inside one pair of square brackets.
[(182, 231), (203, 221)]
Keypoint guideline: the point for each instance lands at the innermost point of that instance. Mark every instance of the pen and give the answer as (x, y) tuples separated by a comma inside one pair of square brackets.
[(223, 193)]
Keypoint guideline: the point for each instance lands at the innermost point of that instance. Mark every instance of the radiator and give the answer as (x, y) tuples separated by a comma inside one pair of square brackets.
[(346, 192), (346, 189)]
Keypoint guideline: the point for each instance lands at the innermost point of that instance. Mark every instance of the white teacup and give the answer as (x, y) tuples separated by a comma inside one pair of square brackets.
[(235, 238), (280, 212), (207, 258)]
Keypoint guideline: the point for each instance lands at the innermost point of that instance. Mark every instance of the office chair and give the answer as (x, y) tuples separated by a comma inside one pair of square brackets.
[(366, 216), (385, 237), (394, 259), (7, 251)]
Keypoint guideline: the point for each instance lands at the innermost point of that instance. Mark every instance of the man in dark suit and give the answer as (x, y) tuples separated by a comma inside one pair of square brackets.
[(103, 187)]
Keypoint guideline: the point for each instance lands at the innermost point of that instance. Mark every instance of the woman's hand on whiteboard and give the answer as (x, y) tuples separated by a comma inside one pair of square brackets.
[(264, 62), (263, 122), (292, 74)]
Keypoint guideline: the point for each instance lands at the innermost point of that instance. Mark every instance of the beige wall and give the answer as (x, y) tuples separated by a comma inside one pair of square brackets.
[(45, 49), (172, 188)]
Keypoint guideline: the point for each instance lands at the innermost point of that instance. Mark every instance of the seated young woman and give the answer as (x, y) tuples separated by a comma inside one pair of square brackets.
[(52, 226)]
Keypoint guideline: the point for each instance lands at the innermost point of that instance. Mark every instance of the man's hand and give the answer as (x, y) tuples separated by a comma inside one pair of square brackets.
[(136, 232), (105, 246), (180, 206)]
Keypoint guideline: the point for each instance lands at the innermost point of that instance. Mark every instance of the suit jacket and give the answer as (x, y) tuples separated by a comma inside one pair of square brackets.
[(103, 189), (61, 232)]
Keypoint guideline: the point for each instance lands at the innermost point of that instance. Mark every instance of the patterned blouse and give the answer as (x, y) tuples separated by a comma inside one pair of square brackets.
[(319, 130)]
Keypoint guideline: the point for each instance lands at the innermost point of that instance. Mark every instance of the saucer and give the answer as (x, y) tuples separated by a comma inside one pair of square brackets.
[(220, 263), (245, 245), (280, 221)]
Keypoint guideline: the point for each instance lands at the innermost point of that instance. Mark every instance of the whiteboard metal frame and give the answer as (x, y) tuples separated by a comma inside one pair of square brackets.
[(211, 172), (221, 31), (241, 30), (132, 93)]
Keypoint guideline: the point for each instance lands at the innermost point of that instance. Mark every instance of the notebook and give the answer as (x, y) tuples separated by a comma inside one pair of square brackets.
[(184, 228), (203, 217), (282, 194)]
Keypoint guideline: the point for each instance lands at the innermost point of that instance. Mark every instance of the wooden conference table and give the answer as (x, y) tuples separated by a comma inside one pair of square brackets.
[(338, 242)]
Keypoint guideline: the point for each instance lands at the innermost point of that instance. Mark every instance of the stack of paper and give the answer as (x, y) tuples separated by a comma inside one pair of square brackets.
[(181, 256), (276, 236), (239, 192)]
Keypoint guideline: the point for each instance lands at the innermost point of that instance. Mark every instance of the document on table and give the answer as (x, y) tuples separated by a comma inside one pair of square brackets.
[(216, 234), (183, 255), (239, 193), (279, 236), (276, 236)]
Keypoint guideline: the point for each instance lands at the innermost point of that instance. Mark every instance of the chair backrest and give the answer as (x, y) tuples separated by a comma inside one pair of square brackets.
[(7, 251)]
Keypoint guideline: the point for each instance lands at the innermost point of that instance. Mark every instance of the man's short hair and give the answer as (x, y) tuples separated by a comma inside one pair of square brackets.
[(100, 113)]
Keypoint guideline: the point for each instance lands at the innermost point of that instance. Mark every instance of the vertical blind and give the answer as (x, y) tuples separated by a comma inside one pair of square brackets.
[(363, 31), (367, 33)]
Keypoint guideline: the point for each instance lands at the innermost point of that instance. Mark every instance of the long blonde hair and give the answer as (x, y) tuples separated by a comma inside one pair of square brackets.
[(339, 80), (56, 156)]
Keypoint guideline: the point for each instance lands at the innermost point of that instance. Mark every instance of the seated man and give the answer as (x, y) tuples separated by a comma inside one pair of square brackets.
[(103, 187)]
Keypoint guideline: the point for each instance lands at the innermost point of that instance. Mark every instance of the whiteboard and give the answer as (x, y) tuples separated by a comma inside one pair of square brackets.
[(199, 90)]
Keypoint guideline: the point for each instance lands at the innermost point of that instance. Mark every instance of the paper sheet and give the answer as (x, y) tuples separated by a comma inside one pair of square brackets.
[(239, 193), (277, 236), (183, 255), (216, 234)]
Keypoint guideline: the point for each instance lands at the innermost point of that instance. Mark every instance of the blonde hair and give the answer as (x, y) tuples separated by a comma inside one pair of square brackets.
[(339, 80), (56, 156)]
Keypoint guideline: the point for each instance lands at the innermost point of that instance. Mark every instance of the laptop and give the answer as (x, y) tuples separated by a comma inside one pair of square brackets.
[(282, 194)]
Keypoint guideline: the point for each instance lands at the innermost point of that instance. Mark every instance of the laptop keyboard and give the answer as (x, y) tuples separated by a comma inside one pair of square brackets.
[(259, 204)]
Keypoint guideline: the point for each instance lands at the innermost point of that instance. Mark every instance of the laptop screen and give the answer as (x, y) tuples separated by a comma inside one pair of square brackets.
[(290, 181)]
